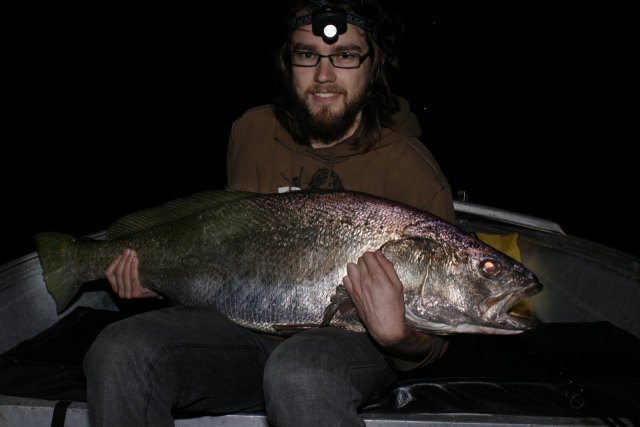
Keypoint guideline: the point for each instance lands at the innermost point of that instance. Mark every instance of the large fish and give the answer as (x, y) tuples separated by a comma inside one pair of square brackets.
[(274, 262)]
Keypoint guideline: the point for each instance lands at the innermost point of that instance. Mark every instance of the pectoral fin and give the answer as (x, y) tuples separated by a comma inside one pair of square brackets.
[(340, 301)]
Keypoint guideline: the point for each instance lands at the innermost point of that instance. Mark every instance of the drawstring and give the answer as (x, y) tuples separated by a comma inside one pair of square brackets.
[(293, 161), (290, 179), (330, 176)]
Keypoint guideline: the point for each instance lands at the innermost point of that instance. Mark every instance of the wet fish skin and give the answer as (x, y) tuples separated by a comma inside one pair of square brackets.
[(273, 262)]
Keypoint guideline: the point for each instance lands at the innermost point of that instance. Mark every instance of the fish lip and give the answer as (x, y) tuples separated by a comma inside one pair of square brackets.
[(496, 307)]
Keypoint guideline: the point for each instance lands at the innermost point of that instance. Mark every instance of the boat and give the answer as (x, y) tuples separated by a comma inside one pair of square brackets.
[(578, 367)]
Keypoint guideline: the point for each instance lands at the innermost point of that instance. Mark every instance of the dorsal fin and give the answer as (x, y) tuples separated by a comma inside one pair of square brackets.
[(172, 210)]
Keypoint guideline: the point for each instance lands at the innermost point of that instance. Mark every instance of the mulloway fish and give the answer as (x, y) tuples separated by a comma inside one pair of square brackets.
[(274, 262)]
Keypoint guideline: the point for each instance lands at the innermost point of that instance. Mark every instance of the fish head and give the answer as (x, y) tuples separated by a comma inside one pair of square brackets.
[(461, 285)]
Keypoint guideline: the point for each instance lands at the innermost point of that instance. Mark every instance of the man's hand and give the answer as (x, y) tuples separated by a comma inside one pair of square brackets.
[(377, 294), (124, 277)]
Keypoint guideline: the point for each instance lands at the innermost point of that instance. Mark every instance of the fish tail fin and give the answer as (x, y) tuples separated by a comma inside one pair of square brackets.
[(57, 257)]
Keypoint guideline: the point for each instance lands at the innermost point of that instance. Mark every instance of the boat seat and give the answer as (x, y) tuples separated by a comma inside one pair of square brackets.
[(557, 370)]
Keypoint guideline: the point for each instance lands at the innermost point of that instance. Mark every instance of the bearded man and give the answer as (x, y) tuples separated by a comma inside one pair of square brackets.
[(334, 125)]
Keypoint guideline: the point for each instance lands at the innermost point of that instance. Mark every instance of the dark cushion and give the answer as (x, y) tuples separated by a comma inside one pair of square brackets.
[(560, 369)]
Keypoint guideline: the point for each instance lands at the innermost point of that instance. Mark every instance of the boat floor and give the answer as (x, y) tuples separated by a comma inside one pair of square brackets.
[(40, 413), (558, 374)]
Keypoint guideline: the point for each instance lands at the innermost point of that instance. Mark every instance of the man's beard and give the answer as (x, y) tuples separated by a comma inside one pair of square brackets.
[(326, 126)]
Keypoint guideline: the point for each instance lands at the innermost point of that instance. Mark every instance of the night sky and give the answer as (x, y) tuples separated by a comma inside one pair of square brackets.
[(525, 104)]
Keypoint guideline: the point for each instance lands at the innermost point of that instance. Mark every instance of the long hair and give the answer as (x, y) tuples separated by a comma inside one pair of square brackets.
[(379, 104)]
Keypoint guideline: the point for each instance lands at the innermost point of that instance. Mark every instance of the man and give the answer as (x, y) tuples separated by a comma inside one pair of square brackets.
[(334, 124)]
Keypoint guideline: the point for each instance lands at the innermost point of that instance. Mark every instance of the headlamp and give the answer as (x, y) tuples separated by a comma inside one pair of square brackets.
[(330, 23)]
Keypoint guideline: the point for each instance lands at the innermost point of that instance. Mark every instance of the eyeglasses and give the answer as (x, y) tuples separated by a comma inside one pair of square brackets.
[(305, 58)]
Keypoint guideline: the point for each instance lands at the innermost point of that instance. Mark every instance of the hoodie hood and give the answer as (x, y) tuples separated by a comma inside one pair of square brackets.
[(263, 158)]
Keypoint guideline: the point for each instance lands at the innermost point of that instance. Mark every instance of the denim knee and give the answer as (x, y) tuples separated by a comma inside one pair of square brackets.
[(109, 349), (122, 347), (321, 377)]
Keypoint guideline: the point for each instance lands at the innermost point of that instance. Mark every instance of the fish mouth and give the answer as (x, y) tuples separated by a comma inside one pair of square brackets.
[(510, 310)]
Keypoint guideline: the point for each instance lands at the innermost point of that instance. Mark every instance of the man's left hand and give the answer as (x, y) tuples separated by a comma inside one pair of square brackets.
[(377, 294)]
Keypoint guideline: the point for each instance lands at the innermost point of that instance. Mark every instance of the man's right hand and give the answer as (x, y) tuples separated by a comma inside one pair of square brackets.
[(124, 278)]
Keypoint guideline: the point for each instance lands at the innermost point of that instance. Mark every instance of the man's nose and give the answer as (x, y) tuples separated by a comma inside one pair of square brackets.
[(325, 72)]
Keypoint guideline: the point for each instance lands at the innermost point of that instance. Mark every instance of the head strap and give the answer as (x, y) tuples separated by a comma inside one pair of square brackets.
[(329, 22)]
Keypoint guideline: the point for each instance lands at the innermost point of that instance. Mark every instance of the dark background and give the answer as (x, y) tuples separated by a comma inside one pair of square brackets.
[(527, 105)]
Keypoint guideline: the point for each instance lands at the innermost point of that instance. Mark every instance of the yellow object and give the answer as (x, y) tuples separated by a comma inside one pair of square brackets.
[(507, 244)]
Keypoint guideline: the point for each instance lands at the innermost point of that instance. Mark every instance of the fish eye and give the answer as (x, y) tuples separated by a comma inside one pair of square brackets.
[(489, 267)]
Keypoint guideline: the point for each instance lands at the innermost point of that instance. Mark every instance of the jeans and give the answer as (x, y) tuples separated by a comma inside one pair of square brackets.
[(143, 370)]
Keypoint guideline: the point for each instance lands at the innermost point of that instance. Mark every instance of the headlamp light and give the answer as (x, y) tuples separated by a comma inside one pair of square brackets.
[(328, 24)]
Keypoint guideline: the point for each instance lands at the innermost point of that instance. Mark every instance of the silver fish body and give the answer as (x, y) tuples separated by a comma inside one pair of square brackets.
[(274, 262)]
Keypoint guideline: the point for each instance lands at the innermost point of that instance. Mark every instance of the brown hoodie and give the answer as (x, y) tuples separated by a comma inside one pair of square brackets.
[(262, 157)]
